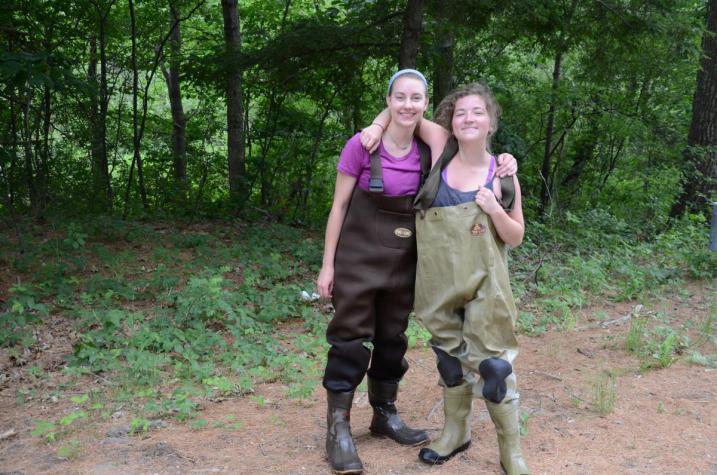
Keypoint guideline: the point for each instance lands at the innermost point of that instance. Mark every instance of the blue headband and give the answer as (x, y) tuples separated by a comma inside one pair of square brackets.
[(401, 73)]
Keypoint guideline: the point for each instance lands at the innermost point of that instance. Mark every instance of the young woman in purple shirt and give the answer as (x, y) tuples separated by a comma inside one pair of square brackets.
[(368, 271)]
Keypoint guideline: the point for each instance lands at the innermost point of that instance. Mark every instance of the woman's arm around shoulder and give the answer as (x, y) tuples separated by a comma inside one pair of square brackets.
[(431, 133), (434, 135)]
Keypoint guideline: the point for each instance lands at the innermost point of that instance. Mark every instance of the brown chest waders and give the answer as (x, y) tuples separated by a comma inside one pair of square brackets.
[(375, 268)]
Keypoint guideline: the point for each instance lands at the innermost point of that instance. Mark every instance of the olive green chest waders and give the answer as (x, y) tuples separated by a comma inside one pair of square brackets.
[(463, 293), (464, 299), (374, 276)]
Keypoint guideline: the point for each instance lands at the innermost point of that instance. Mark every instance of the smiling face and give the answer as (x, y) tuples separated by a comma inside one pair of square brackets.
[(468, 107), (408, 101), (471, 119)]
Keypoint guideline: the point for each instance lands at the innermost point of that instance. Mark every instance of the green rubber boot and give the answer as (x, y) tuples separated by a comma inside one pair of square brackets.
[(456, 435), (505, 417)]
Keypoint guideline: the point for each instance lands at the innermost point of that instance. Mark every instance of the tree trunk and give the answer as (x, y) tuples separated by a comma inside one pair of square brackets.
[(235, 125), (179, 121), (443, 65), (13, 152), (43, 168), (105, 192), (545, 170), (701, 154), (136, 156), (27, 139), (410, 41), (94, 126)]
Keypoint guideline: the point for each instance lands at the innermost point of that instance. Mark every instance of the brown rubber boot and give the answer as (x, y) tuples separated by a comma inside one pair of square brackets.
[(340, 448), (386, 421), (456, 435), (505, 417)]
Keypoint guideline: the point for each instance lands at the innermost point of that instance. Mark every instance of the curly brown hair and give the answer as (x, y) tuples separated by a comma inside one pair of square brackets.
[(444, 112)]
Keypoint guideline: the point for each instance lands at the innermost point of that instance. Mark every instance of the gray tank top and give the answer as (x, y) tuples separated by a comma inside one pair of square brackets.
[(449, 196)]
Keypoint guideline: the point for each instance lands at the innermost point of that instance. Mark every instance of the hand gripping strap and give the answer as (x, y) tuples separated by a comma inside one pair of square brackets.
[(429, 188)]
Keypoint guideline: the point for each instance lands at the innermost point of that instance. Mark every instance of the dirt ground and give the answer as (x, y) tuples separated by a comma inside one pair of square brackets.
[(664, 421)]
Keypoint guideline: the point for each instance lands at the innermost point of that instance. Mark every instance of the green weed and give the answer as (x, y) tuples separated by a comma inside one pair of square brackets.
[(636, 334), (698, 358), (70, 450), (219, 385), (529, 324), (198, 423), (258, 400), (47, 430), (523, 423), (605, 394), (139, 426), (666, 350), (417, 334), (23, 311)]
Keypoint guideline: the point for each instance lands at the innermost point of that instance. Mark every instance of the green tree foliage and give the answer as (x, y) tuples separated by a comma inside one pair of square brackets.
[(596, 99)]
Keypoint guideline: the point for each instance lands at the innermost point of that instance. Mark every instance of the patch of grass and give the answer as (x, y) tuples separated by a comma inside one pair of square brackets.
[(198, 423), (69, 450), (139, 425), (417, 334), (586, 257), (47, 430), (655, 343), (523, 423), (529, 324), (636, 333), (698, 358), (200, 314), (604, 393)]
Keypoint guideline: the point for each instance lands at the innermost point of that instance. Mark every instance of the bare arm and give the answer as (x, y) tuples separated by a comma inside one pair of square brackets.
[(342, 196), (510, 226), (434, 136), (371, 135), (431, 133)]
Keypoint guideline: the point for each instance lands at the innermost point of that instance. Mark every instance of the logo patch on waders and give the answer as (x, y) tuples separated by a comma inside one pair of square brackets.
[(403, 233), (478, 229)]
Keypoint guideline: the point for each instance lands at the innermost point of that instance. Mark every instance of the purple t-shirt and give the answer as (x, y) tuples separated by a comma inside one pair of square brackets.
[(401, 176)]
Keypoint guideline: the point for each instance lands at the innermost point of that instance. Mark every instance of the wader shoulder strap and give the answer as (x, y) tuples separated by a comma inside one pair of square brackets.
[(375, 183), (425, 154), (507, 193), (429, 190)]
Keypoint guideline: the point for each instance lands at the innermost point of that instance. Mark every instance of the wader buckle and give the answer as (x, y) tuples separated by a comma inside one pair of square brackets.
[(375, 185)]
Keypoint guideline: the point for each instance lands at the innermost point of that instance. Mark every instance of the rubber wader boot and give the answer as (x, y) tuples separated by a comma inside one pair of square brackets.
[(505, 417), (386, 421), (340, 447), (456, 435)]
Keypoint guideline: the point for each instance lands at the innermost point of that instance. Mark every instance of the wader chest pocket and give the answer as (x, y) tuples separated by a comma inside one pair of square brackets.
[(395, 230)]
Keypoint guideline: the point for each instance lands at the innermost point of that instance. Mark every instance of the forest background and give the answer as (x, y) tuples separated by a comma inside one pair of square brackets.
[(167, 167)]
